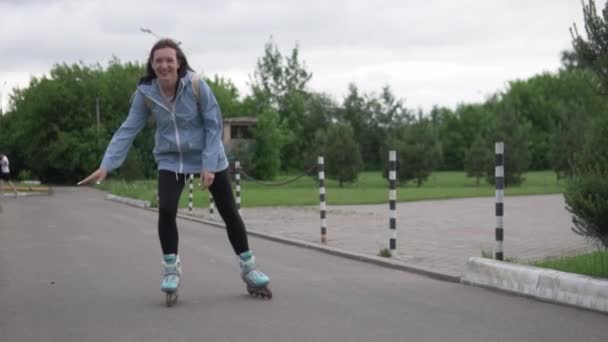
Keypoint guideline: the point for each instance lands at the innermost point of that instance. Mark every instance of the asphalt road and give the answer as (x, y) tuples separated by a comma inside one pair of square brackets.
[(74, 267)]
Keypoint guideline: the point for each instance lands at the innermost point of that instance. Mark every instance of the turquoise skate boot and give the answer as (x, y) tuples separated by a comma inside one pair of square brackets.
[(256, 281), (172, 272)]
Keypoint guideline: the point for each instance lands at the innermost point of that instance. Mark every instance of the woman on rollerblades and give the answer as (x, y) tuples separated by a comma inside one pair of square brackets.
[(188, 140)]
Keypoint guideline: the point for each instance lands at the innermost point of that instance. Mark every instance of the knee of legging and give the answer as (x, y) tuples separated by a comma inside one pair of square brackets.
[(166, 212), (234, 222)]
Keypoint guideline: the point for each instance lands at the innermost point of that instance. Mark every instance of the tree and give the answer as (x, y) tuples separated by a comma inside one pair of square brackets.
[(269, 138), (354, 113), (417, 151), (477, 158), (227, 96), (508, 128), (52, 129), (593, 51), (372, 117), (587, 188), (534, 101), (457, 130), (570, 60), (342, 155), (320, 112), (566, 141), (451, 137), (387, 113), (281, 83)]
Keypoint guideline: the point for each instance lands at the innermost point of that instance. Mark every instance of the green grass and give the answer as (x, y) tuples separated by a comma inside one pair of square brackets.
[(370, 188), (140, 189), (593, 264), (385, 253)]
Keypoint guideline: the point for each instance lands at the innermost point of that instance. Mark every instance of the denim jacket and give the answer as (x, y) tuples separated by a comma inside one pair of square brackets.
[(187, 140)]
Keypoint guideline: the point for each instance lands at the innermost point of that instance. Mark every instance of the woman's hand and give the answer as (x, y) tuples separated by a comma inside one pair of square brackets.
[(207, 178), (98, 176)]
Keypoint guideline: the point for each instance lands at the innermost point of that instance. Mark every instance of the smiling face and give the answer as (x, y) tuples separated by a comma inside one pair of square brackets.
[(165, 65)]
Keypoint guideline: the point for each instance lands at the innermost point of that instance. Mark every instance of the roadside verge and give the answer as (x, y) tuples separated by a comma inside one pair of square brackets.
[(544, 284)]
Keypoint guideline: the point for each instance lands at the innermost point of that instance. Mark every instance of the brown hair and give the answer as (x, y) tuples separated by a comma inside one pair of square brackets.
[(184, 67)]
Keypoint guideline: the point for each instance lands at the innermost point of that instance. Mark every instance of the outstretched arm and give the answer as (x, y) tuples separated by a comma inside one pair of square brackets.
[(119, 146)]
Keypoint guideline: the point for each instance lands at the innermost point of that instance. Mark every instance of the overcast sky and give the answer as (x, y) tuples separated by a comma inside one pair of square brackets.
[(430, 52)]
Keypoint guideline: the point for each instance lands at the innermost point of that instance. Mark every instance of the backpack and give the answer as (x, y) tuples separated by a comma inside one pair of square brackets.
[(196, 88)]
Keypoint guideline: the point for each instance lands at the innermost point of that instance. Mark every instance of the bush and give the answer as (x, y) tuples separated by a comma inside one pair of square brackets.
[(477, 158), (385, 253), (587, 199), (25, 175), (418, 152), (342, 154)]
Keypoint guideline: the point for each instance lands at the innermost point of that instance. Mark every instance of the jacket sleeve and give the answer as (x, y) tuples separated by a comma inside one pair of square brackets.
[(119, 146), (212, 125)]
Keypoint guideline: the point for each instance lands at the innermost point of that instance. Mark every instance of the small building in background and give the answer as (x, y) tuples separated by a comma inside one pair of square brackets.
[(238, 134)]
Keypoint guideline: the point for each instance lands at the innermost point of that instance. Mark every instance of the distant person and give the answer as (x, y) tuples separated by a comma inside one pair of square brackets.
[(188, 140), (6, 172)]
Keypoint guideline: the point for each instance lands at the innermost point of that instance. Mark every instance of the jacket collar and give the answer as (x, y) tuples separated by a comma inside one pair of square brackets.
[(152, 89)]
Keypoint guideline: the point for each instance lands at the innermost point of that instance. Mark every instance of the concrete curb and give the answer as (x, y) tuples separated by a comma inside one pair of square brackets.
[(547, 285), (129, 201), (26, 194)]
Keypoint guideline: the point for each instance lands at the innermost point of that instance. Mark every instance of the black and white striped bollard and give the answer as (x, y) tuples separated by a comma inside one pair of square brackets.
[(211, 206), (190, 194), (392, 197), (237, 169), (322, 206), (500, 186)]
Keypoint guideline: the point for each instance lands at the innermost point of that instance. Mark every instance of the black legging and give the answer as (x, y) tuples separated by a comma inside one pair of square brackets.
[(170, 188)]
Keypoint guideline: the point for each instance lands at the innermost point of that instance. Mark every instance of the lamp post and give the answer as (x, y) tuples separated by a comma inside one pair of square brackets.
[(150, 32)]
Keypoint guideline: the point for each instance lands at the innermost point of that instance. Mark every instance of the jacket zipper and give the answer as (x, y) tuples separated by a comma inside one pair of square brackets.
[(172, 112), (179, 150)]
